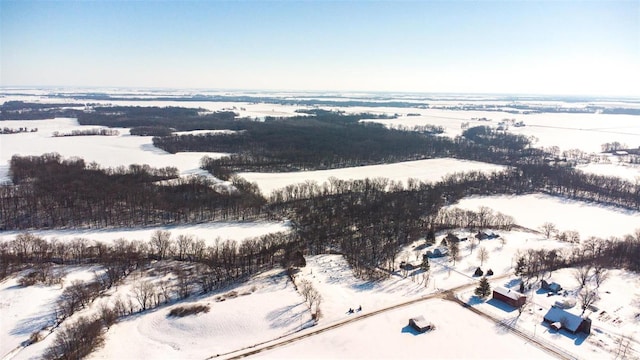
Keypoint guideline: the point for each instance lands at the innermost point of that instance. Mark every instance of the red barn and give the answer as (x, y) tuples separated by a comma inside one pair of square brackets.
[(509, 296)]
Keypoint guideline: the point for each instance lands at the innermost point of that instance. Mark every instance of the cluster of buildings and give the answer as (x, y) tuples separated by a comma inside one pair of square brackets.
[(556, 317)]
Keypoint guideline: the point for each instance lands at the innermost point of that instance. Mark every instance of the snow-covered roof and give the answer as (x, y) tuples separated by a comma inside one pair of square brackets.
[(568, 320), (420, 321), (512, 294)]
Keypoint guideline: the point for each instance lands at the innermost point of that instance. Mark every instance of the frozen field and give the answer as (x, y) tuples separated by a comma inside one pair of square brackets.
[(627, 172), (459, 334), (208, 232), (533, 210), (107, 151), (586, 132), (430, 170), (267, 307)]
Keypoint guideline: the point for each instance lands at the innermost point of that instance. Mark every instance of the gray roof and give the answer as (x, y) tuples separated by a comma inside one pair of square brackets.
[(569, 321)]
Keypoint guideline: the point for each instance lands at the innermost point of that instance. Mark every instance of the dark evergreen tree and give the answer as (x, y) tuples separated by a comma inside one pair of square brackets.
[(484, 289), (521, 266)]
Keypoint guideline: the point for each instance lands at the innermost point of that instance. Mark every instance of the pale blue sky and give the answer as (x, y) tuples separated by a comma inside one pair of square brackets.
[(531, 47)]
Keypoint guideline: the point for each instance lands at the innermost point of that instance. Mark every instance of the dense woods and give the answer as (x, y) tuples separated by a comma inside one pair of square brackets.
[(329, 140), (51, 192)]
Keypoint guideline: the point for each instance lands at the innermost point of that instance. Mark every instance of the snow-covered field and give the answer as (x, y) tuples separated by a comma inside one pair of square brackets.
[(25, 310), (459, 334), (586, 132), (266, 307), (624, 171), (208, 232), (106, 151), (424, 170), (533, 210)]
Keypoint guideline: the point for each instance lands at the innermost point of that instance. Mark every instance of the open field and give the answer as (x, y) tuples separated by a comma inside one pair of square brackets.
[(430, 170), (208, 232), (533, 210)]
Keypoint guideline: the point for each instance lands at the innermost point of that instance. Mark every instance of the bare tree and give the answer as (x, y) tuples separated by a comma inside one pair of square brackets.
[(527, 302), (314, 302), (305, 287), (587, 297), (184, 243), (548, 229), (161, 243), (404, 266), (472, 244), (144, 292), (600, 275), (77, 340), (483, 255), (581, 274), (454, 251)]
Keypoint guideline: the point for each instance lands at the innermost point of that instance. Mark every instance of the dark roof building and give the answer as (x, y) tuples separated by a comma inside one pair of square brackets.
[(419, 323), (559, 318), (551, 286), (508, 296)]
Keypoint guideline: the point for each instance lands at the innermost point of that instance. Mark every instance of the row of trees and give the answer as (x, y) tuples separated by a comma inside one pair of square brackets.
[(121, 256), (591, 258), (88, 132)]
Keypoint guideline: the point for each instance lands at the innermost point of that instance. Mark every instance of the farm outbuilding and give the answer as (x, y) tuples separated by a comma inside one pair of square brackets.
[(558, 318), (437, 252), (508, 296), (420, 324), (554, 287)]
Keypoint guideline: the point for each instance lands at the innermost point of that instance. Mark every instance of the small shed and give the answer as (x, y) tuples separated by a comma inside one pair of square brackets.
[(508, 296), (554, 287), (486, 235), (437, 252), (419, 323), (568, 321)]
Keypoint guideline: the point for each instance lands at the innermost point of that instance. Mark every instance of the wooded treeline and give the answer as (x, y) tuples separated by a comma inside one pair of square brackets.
[(20, 110), (225, 260), (368, 220), (51, 192), (329, 140)]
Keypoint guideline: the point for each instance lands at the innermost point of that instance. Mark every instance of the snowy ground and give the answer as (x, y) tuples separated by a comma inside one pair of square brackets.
[(533, 210), (459, 334), (567, 131), (423, 170), (25, 310), (625, 171), (266, 307), (209, 232), (107, 151)]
